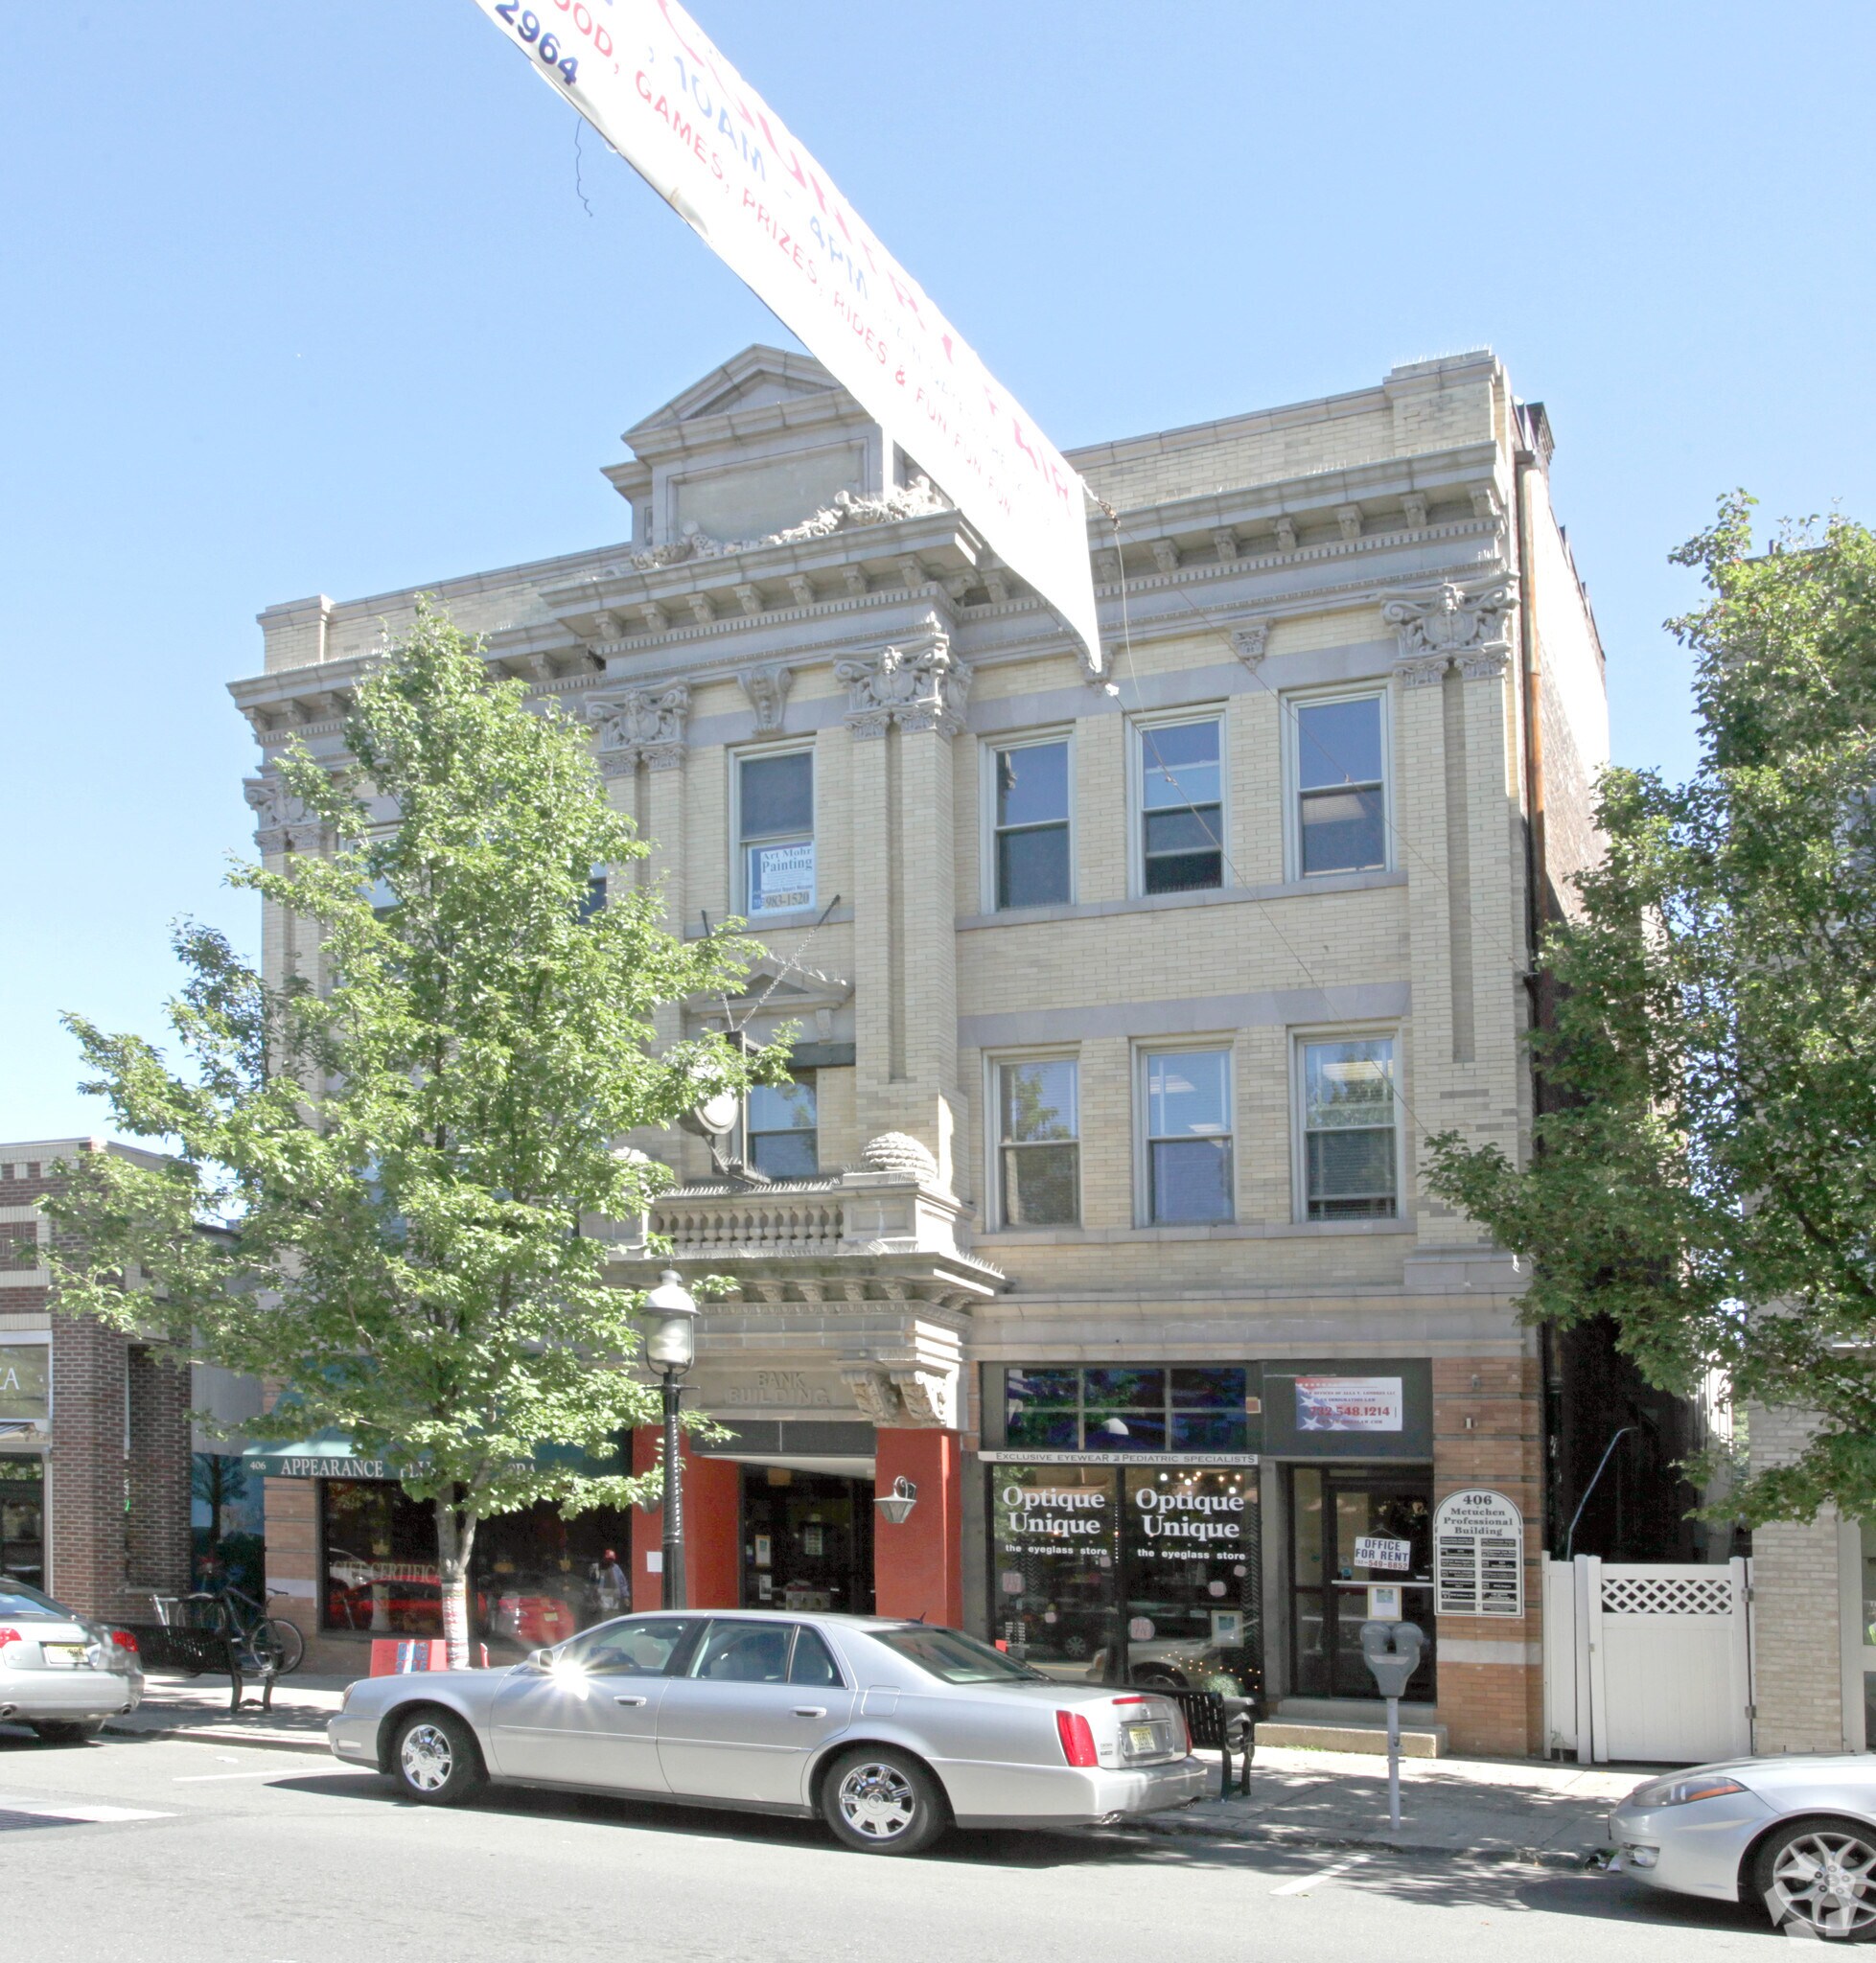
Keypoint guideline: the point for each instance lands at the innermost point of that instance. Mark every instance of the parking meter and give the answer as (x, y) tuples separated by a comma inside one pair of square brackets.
[(1391, 1651)]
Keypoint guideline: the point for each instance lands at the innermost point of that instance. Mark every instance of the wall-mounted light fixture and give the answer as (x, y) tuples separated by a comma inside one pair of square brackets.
[(897, 1506)]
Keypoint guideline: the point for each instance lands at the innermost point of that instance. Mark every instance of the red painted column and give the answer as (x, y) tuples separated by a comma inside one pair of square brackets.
[(919, 1568), (712, 1515)]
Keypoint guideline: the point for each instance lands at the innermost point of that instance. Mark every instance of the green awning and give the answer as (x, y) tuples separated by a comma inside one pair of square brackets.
[(330, 1454)]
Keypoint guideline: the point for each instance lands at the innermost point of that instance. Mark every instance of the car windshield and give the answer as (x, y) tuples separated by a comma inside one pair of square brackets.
[(23, 1603), (955, 1657)]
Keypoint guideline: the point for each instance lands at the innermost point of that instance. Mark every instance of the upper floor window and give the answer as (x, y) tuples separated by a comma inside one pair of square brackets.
[(783, 1129), (595, 899), (1188, 1136), (1181, 778), (1039, 1148), (774, 805), (1030, 824), (1341, 785), (1351, 1154)]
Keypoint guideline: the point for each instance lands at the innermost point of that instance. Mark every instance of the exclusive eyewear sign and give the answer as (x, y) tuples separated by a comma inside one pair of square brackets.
[(649, 80), (1350, 1403), (1478, 1554), (1155, 1459)]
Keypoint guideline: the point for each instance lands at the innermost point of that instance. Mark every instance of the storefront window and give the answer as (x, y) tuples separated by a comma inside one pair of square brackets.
[(1332, 1511), (227, 1527), (535, 1578), (1108, 1574), (1185, 1409), (23, 1519)]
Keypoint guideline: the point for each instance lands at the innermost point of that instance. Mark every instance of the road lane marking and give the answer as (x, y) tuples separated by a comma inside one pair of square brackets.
[(77, 1812), (1303, 1884)]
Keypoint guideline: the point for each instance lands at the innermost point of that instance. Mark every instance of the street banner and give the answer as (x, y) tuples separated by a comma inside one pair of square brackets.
[(649, 80)]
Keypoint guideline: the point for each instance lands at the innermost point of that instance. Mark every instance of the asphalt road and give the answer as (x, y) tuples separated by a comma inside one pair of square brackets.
[(144, 1851)]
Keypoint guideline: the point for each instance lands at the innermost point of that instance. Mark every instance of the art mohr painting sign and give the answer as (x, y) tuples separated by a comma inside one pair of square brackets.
[(650, 80)]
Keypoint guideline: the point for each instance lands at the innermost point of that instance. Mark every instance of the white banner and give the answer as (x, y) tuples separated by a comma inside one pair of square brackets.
[(1349, 1403), (647, 78)]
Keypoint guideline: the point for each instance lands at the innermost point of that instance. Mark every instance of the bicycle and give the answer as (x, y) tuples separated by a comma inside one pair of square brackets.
[(274, 1645)]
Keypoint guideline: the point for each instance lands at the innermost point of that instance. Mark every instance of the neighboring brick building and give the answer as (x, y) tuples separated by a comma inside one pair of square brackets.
[(93, 1425), (1122, 1001)]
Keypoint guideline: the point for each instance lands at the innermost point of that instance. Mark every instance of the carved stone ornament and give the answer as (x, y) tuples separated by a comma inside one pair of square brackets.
[(282, 822), (930, 1398), (899, 1153), (1349, 518), (767, 689), (1250, 642), (1226, 541), (1285, 535), (875, 1392), (1166, 555), (1414, 506), (1451, 622), (919, 687), (641, 726), (1107, 566)]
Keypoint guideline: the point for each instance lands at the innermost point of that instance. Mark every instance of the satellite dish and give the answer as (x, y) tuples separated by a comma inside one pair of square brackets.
[(715, 1118)]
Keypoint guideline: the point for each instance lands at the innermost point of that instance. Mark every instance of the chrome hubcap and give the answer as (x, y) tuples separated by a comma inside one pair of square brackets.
[(425, 1758), (1827, 1880), (878, 1801)]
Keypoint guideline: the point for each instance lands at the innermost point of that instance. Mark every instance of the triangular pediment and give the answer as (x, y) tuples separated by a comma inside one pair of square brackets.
[(757, 377)]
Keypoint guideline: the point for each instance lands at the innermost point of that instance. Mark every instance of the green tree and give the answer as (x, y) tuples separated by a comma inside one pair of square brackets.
[(1707, 1173), (407, 1150)]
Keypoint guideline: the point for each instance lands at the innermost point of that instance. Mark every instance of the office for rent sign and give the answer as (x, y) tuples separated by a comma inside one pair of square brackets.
[(648, 79)]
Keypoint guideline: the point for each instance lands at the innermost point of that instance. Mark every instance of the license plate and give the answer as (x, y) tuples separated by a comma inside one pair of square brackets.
[(1142, 1738), (63, 1656)]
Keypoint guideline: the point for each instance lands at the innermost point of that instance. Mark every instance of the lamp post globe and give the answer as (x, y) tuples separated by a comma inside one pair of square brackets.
[(669, 1322)]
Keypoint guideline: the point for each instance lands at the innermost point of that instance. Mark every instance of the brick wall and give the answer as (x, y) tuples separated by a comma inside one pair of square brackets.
[(157, 1537), (1797, 1632), (1488, 1431)]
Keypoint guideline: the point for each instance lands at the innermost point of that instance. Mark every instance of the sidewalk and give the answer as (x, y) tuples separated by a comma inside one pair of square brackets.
[(1480, 1809), (1475, 1808)]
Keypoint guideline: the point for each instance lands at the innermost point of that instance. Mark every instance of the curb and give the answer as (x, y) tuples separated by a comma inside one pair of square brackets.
[(1170, 1827), (223, 1735)]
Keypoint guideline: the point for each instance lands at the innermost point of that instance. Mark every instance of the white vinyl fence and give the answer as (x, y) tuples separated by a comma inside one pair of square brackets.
[(1647, 1661)]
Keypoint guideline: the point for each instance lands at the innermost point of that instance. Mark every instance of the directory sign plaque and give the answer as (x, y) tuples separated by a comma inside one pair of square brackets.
[(1478, 1554)]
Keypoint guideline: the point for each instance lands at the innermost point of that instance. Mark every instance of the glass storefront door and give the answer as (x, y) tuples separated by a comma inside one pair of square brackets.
[(807, 1540), (1128, 1574), (23, 1519), (1330, 1509)]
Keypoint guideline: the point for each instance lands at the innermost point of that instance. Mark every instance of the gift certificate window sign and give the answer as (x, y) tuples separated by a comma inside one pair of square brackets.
[(1478, 1554), (1350, 1403)]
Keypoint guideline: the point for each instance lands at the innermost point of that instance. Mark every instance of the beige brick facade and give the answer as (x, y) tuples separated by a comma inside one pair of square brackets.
[(1371, 547)]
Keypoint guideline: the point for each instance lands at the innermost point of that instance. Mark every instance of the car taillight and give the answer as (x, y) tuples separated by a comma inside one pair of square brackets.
[(124, 1640), (8, 1636), (1077, 1738)]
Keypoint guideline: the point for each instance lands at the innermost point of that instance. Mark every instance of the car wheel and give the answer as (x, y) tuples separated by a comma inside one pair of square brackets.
[(1822, 1875), (435, 1759), (68, 1730), (883, 1801)]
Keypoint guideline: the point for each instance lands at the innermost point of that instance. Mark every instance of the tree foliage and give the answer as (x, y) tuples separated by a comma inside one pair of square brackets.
[(1709, 1180), (408, 1134)]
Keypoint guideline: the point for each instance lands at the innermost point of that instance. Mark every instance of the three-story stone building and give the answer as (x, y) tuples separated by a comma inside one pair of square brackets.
[(1122, 1000)]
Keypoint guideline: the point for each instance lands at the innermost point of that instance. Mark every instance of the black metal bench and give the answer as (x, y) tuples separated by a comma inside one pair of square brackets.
[(1218, 1724), (209, 1653)]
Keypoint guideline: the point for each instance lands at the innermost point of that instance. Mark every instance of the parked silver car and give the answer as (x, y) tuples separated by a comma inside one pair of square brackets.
[(891, 1731), (1796, 1834), (61, 1672)]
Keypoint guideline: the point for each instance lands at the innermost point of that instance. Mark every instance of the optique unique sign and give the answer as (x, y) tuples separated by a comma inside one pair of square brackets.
[(649, 80)]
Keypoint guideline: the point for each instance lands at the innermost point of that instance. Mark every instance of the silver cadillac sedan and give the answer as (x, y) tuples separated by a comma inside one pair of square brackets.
[(891, 1731), (1796, 1834)]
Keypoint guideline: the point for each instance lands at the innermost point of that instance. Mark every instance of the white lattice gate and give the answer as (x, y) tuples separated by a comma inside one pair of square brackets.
[(1647, 1661)]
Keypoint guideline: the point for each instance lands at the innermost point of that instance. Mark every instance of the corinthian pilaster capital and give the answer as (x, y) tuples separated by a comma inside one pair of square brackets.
[(920, 686), (1436, 625), (641, 726)]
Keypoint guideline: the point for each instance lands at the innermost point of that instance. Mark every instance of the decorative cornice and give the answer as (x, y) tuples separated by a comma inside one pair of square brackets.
[(640, 725), (767, 688), (919, 687)]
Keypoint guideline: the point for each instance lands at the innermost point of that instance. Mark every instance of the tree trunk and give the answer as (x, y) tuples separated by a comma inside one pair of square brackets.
[(456, 1538)]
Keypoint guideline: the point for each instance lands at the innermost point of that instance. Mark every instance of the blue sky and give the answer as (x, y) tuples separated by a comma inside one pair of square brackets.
[(303, 297)]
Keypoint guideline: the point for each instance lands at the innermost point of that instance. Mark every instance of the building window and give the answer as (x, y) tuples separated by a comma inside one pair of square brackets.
[(1181, 777), (1200, 1408), (1038, 1145), (1341, 785), (1030, 824), (595, 899), (774, 804), (783, 1139), (1188, 1136), (1350, 1144)]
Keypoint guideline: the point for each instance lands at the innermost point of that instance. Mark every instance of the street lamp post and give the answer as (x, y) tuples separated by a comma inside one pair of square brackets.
[(669, 1323)]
